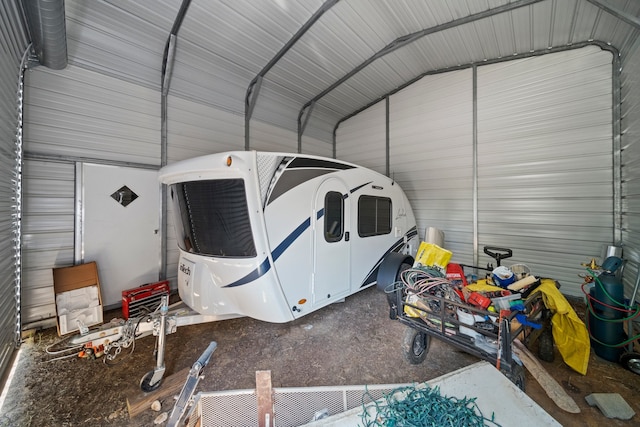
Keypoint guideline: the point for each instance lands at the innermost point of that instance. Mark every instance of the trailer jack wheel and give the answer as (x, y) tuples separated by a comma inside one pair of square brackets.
[(415, 346), (145, 382)]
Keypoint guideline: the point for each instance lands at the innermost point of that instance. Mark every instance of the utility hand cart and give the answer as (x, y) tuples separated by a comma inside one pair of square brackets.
[(432, 306)]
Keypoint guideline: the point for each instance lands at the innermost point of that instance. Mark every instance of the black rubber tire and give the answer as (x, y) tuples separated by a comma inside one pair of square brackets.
[(415, 345), (145, 383), (631, 361), (516, 376), (392, 297), (545, 345)]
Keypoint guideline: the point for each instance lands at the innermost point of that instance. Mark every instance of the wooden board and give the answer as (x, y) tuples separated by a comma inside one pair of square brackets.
[(264, 394), (140, 401), (548, 383)]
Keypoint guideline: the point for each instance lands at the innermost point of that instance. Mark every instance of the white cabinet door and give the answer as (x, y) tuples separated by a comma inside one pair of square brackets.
[(119, 226)]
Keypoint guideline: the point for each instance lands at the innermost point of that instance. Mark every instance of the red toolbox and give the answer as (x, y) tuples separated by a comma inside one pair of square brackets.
[(144, 299)]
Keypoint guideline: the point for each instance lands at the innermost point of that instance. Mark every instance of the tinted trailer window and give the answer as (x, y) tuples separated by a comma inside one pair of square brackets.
[(214, 218)]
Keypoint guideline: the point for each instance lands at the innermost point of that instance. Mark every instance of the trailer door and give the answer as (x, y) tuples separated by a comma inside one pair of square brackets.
[(332, 234)]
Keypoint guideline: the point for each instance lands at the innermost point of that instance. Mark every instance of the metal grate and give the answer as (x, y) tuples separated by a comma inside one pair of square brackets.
[(267, 166), (292, 406)]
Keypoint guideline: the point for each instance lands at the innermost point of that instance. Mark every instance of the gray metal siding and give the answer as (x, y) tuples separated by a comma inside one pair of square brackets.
[(431, 133), (362, 138), (13, 39), (630, 81), (81, 113), (48, 234), (544, 158), (73, 115), (545, 161)]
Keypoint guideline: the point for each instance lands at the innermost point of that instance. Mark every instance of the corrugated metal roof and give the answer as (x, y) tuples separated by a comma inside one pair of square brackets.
[(223, 44)]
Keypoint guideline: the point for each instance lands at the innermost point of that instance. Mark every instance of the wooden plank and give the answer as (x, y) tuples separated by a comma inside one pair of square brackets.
[(140, 401), (264, 394), (548, 383)]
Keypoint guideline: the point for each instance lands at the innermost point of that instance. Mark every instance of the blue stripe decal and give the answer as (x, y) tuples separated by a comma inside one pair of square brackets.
[(397, 247), (279, 250), (254, 275), (266, 265)]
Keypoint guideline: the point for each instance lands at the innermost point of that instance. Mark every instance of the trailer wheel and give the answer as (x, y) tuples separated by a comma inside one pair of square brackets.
[(516, 376), (415, 346), (388, 274)]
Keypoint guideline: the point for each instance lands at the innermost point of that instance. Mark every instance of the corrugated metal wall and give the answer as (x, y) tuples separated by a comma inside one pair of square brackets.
[(545, 163), (431, 134), (81, 113), (630, 144), (363, 138), (48, 230), (74, 115), (13, 42)]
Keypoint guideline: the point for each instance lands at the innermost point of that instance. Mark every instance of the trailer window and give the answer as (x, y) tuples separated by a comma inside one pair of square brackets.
[(374, 216), (333, 216), (213, 218)]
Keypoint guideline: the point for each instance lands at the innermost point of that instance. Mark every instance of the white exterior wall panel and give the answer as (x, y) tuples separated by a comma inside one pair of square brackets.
[(362, 138), (431, 155), (545, 161)]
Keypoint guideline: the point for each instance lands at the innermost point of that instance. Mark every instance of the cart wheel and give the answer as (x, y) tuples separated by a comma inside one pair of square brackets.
[(631, 361), (516, 375), (415, 346), (545, 345)]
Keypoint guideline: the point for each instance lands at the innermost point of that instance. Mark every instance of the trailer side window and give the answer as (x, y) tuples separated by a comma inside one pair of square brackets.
[(374, 216), (333, 216)]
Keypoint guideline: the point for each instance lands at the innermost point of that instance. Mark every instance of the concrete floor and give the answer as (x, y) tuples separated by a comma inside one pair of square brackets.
[(353, 342)]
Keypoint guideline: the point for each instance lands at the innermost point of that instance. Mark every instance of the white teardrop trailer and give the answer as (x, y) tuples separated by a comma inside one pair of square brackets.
[(273, 236)]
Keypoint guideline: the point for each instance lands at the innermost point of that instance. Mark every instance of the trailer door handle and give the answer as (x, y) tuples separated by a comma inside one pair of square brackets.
[(346, 236)]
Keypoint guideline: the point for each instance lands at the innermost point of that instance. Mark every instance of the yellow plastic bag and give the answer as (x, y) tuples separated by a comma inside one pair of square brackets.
[(433, 256), (569, 332)]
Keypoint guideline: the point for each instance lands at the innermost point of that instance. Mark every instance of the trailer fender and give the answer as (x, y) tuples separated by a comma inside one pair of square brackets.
[(389, 273)]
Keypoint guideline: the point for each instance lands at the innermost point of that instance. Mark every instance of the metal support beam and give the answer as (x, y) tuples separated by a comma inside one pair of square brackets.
[(167, 71), (387, 138), (254, 85), (474, 156), (303, 121), (620, 14), (410, 38)]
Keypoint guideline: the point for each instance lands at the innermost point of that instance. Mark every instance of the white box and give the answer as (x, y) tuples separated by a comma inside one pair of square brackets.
[(87, 316)]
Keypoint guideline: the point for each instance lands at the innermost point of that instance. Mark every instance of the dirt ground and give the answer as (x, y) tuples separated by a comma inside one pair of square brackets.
[(348, 343)]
